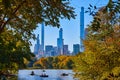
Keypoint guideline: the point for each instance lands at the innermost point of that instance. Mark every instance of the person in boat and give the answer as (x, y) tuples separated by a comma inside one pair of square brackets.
[(32, 73), (64, 74), (43, 74)]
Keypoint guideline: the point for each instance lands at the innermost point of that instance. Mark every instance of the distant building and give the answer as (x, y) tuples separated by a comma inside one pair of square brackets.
[(60, 42), (55, 49), (82, 32), (48, 50), (37, 46), (65, 50), (76, 49), (42, 38)]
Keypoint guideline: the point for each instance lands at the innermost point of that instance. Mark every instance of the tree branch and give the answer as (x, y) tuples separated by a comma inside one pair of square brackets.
[(14, 12)]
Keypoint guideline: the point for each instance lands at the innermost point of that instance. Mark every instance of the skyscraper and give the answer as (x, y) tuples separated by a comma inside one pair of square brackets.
[(76, 49), (82, 32), (42, 38), (48, 50), (60, 42), (65, 50), (37, 46)]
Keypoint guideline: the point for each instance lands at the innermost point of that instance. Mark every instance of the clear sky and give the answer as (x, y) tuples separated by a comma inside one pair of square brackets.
[(71, 28)]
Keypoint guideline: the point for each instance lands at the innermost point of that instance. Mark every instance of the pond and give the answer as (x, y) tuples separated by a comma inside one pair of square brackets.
[(47, 74)]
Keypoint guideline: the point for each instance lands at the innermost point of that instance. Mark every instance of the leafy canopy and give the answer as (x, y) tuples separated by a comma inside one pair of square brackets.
[(18, 20), (101, 58), (24, 15)]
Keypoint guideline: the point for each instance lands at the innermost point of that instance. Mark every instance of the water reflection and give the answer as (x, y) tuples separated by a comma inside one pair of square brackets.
[(52, 75)]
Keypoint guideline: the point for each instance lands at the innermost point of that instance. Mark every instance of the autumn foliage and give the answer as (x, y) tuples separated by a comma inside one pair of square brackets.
[(101, 58), (58, 62)]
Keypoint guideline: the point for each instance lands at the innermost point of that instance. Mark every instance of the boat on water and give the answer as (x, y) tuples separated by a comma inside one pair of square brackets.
[(32, 73), (64, 74), (43, 74)]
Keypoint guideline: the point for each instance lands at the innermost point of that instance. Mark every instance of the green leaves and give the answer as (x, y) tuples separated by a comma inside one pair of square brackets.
[(13, 50), (26, 12), (18, 20), (6, 3), (101, 58)]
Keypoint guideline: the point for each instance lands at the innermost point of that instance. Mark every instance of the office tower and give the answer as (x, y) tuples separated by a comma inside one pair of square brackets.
[(76, 49), (48, 50), (55, 51), (42, 38), (37, 46), (65, 50), (82, 33), (60, 42)]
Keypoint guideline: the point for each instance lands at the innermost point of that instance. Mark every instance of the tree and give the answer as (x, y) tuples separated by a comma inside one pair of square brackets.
[(100, 60), (18, 20), (58, 62), (13, 50), (24, 15)]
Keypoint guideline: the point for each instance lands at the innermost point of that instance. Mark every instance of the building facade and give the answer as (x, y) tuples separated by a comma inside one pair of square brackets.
[(82, 31), (65, 50), (60, 42), (42, 38), (37, 46), (76, 49)]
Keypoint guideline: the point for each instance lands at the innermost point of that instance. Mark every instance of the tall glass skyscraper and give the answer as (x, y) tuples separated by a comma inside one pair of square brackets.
[(37, 46), (76, 49), (60, 42), (65, 50), (82, 32), (42, 38)]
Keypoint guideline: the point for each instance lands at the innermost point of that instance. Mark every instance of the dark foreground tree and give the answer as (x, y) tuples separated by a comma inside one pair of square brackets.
[(18, 20), (24, 15), (101, 58)]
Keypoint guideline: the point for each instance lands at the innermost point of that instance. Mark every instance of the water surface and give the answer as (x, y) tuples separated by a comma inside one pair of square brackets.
[(52, 75)]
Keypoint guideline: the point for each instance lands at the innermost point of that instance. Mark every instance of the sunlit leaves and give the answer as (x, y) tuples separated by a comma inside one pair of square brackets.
[(13, 50), (108, 14), (27, 12), (18, 20), (60, 62), (101, 58)]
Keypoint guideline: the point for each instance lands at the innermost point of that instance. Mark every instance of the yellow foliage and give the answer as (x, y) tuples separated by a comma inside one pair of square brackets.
[(116, 70), (19, 43)]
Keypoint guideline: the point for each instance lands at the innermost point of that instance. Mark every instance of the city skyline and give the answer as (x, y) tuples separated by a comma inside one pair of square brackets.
[(50, 50), (71, 28)]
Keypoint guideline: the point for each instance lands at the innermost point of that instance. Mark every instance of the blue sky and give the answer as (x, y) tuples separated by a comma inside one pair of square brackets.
[(71, 28)]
